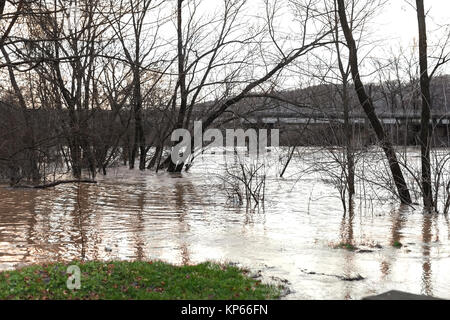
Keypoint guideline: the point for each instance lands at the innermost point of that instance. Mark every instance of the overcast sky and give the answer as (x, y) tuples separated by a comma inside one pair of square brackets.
[(394, 26), (400, 21), (398, 18)]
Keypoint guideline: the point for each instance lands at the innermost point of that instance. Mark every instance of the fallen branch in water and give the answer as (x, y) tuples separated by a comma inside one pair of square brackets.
[(356, 277), (53, 184)]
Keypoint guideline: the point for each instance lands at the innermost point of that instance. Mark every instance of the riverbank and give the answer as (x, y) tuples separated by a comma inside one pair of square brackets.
[(137, 280)]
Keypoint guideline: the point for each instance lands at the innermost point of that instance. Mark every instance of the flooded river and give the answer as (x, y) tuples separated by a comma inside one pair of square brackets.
[(187, 218)]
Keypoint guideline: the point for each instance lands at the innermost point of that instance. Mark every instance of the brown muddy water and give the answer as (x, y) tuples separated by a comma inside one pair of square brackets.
[(187, 218)]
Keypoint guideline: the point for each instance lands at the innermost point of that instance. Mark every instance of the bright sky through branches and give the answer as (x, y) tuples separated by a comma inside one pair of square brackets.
[(399, 21)]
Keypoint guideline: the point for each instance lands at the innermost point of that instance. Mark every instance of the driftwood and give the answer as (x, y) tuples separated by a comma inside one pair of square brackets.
[(53, 184)]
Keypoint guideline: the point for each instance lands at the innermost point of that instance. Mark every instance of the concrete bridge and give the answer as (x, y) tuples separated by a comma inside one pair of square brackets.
[(403, 129), (438, 119)]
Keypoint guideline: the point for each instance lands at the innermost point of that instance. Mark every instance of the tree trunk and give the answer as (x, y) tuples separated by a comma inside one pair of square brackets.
[(75, 157), (367, 104), (350, 157), (181, 81), (153, 160), (348, 143), (425, 132)]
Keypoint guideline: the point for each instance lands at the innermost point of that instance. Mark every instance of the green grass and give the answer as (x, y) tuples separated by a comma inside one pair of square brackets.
[(346, 246), (397, 244), (134, 280)]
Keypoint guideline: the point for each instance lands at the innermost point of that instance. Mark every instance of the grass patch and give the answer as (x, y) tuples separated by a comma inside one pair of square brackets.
[(137, 280), (346, 246), (397, 244)]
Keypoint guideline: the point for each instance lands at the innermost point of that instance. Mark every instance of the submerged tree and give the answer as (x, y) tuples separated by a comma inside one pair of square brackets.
[(369, 109), (425, 132), (226, 67)]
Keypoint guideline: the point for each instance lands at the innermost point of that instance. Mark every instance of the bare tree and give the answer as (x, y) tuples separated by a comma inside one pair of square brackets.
[(367, 104), (139, 46), (231, 56), (29, 139), (67, 43), (425, 132)]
